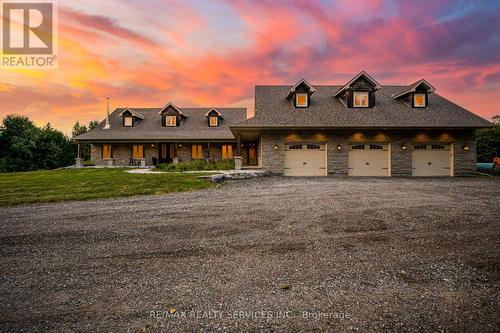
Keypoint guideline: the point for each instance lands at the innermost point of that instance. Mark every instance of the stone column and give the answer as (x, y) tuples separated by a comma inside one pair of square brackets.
[(110, 162), (79, 162), (175, 160), (238, 161), (143, 162)]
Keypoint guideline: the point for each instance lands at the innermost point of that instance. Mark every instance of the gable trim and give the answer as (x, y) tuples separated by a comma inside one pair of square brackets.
[(295, 86), (170, 104), (348, 84), (218, 113), (413, 87), (132, 112)]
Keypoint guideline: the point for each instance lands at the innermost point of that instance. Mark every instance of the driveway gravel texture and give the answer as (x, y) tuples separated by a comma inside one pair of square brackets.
[(268, 254)]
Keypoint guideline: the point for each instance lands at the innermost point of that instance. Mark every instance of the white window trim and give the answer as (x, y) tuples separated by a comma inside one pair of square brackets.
[(415, 100), (216, 121), (172, 123), (297, 100), (128, 118), (360, 93)]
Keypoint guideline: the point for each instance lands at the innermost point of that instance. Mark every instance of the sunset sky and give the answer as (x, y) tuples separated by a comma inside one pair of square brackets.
[(212, 53)]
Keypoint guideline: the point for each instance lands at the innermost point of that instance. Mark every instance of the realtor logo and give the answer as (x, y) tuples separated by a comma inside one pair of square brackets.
[(29, 34)]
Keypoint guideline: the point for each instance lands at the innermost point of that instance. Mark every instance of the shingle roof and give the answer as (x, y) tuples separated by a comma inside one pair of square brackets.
[(194, 127), (273, 110)]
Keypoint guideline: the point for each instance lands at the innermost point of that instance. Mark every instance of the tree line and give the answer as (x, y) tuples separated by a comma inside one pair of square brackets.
[(25, 147)]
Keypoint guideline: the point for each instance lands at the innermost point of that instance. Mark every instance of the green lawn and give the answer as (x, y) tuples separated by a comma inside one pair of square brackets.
[(81, 184)]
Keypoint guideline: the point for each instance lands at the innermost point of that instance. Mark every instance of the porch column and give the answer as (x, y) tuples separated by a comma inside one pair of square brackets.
[(79, 161), (238, 147)]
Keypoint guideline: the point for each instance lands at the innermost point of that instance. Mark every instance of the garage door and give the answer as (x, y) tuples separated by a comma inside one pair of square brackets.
[(368, 160), (305, 160), (431, 160)]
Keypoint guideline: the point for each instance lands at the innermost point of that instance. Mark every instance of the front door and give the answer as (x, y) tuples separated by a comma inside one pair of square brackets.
[(252, 155), (166, 152)]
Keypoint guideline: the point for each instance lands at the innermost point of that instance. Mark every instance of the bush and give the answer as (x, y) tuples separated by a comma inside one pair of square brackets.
[(197, 165)]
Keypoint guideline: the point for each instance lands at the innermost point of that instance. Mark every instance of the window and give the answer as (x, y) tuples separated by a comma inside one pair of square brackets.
[(227, 152), (301, 100), (420, 147), (128, 121), (312, 146), (137, 151), (196, 152), (171, 121), (419, 100), (360, 99), (214, 121), (376, 147), (106, 151), (295, 147), (358, 147), (437, 147)]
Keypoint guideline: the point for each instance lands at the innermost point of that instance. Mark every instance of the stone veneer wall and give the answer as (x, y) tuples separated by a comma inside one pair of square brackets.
[(123, 152), (464, 161)]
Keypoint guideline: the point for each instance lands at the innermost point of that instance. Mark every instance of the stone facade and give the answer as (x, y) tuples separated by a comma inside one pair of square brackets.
[(122, 152), (401, 146)]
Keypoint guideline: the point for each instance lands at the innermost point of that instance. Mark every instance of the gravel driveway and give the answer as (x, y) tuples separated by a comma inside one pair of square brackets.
[(267, 254)]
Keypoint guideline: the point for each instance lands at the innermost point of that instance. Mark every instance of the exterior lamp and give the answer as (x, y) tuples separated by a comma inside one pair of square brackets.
[(339, 147), (465, 147), (276, 147), (403, 146), (180, 145)]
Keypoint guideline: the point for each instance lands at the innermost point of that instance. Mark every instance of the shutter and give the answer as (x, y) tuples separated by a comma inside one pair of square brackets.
[(200, 151)]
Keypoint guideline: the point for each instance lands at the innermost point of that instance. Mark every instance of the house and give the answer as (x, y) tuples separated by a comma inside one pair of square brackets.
[(146, 136), (360, 128)]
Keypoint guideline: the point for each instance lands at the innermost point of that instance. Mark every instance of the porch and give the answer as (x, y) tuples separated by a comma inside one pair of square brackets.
[(142, 154)]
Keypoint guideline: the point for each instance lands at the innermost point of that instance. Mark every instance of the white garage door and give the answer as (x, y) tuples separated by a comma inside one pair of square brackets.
[(431, 160), (368, 160), (305, 160)]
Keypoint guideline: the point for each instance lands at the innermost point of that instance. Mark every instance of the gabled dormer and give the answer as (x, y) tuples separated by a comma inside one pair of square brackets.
[(214, 117), (171, 116), (300, 94), (130, 117), (359, 92), (417, 94)]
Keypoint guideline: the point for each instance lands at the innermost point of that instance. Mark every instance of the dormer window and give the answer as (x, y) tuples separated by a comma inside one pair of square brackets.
[(172, 116), (214, 121), (301, 100), (360, 99), (170, 121), (128, 121), (130, 117), (214, 117), (299, 95), (416, 94), (359, 92), (419, 100)]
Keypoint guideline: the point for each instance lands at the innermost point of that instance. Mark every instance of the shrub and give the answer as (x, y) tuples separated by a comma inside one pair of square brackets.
[(197, 165)]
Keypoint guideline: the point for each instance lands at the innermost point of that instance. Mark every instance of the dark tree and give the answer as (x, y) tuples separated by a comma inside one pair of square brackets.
[(488, 142), (18, 143)]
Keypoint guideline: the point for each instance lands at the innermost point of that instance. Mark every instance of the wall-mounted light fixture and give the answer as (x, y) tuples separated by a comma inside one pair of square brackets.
[(276, 147), (403, 146), (465, 147), (179, 145), (339, 147)]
